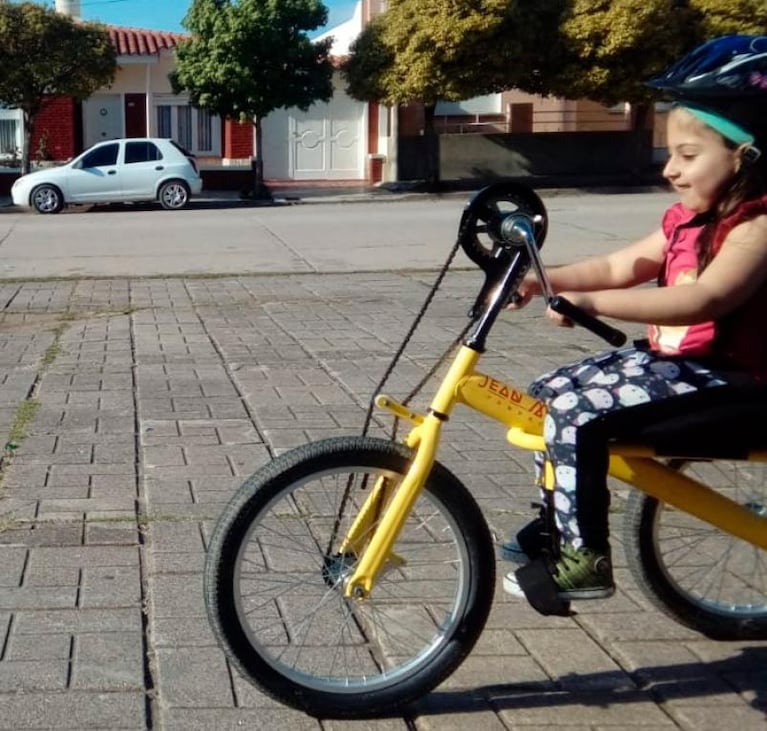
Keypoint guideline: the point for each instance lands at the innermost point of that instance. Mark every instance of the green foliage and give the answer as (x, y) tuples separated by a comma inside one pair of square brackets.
[(432, 50), (606, 49), (247, 58), (609, 47), (721, 17), (46, 53)]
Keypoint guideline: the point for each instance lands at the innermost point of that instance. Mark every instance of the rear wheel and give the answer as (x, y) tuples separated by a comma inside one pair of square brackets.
[(701, 576), (173, 195), (274, 582), (46, 199)]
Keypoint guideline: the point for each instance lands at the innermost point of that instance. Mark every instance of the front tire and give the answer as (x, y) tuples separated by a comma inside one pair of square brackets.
[(173, 195), (274, 582), (704, 578), (47, 199)]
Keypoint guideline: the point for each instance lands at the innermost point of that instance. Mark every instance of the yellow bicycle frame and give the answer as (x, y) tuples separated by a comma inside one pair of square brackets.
[(523, 415)]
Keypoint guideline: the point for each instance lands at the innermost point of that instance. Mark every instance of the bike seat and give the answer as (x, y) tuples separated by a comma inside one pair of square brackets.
[(722, 422)]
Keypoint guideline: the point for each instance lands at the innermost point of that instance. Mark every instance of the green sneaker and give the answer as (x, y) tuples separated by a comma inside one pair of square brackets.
[(582, 573)]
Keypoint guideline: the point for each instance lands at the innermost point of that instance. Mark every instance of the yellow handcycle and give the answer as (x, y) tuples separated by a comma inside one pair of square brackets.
[(350, 576)]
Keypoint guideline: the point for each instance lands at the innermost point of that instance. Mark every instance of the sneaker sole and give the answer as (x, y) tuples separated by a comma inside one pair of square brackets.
[(511, 587), (604, 592)]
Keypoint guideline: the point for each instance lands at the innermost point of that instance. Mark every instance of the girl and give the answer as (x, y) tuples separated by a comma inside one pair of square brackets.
[(710, 259)]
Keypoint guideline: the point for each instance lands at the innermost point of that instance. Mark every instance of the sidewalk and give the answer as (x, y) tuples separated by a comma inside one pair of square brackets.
[(138, 407)]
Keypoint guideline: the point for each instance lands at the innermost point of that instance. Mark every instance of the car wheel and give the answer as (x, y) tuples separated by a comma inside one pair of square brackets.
[(47, 199), (173, 195)]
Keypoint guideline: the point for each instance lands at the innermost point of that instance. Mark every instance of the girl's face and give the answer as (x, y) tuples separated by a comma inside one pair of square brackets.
[(700, 165)]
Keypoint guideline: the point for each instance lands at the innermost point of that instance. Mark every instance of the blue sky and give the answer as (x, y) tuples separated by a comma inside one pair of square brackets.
[(167, 14)]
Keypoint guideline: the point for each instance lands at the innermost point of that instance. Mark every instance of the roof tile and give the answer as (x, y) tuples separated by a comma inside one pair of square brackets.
[(141, 42)]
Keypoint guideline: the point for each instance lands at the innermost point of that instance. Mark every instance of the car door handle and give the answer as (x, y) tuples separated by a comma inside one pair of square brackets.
[(160, 167), (112, 172)]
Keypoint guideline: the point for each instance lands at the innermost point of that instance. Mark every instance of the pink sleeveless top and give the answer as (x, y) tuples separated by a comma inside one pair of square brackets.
[(736, 341)]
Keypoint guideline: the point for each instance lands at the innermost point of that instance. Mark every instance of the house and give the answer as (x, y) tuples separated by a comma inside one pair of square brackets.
[(339, 141), (331, 141)]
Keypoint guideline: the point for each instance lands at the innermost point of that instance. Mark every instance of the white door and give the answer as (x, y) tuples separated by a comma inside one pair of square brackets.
[(327, 142), (102, 118)]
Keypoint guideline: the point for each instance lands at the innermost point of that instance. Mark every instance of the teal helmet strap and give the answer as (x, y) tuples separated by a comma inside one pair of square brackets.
[(727, 128)]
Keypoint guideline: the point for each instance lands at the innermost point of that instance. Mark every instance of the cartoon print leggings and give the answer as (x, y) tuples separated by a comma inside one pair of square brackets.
[(578, 393)]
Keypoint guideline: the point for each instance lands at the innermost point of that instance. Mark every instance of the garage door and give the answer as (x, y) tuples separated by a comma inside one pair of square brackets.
[(324, 143)]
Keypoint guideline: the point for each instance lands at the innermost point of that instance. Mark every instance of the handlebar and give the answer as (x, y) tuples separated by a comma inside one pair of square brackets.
[(579, 316), (502, 229)]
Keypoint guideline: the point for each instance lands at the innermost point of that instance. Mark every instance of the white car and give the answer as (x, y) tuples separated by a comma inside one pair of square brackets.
[(116, 171)]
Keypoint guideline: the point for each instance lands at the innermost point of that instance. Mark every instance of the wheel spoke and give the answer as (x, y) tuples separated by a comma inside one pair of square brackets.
[(714, 570)]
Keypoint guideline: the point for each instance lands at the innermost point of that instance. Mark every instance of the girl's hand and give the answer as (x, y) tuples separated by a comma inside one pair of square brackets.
[(528, 288), (579, 299)]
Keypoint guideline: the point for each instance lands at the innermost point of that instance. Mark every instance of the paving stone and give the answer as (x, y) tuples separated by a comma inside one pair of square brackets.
[(113, 586), (194, 677), (176, 595), (77, 621), (32, 675), (108, 661), (237, 719), (30, 647), (175, 632), (12, 565), (73, 710)]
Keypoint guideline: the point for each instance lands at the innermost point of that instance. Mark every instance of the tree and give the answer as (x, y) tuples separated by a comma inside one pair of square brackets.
[(247, 58), (44, 53), (607, 49), (446, 50)]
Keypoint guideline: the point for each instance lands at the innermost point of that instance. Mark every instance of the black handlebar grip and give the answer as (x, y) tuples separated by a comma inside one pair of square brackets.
[(584, 319)]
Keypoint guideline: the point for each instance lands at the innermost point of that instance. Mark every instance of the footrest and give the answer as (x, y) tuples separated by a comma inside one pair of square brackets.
[(540, 590)]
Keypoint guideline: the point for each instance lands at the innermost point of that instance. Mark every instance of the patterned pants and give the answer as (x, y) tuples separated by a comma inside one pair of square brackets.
[(579, 393)]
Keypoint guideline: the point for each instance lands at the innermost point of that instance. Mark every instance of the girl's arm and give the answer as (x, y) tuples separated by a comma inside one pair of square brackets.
[(639, 262), (733, 276)]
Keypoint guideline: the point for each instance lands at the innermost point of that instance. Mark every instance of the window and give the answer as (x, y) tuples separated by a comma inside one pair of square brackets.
[(184, 130), (101, 156), (196, 130), (204, 131), (141, 152), (10, 132), (164, 123)]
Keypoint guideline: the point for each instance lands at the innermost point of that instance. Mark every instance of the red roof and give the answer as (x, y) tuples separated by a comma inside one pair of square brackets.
[(140, 42)]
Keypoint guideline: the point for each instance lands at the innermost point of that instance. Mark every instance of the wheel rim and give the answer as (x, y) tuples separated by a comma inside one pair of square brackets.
[(298, 620), (174, 195), (713, 569), (46, 199)]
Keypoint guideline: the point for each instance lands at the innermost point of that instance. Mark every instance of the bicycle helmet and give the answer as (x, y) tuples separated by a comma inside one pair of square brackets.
[(726, 67), (724, 83)]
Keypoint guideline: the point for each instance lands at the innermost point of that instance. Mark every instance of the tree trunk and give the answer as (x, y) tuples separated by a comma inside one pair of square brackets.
[(431, 142), (642, 117), (260, 191), (26, 143)]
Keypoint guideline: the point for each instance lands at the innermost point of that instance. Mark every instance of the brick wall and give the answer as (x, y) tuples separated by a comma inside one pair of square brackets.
[(238, 140), (56, 124)]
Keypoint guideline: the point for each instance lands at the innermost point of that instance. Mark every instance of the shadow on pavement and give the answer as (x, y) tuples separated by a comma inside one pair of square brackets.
[(743, 674)]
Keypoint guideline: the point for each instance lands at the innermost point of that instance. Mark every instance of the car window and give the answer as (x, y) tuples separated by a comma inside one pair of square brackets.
[(106, 155), (182, 150), (141, 152)]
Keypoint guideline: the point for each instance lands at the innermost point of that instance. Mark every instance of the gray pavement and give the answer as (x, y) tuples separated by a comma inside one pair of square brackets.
[(139, 405)]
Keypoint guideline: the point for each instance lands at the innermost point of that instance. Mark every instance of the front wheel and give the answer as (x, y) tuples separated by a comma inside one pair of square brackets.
[(696, 573), (47, 198), (274, 582), (173, 195)]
